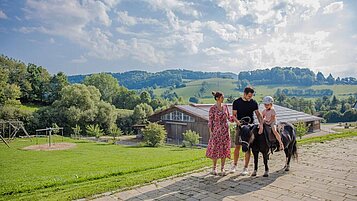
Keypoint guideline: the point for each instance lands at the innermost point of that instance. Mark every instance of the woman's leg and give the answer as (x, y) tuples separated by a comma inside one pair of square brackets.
[(223, 162), (214, 168)]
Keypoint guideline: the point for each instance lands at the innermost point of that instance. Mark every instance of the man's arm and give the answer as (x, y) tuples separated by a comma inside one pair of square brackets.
[(259, 116), (235, 117)]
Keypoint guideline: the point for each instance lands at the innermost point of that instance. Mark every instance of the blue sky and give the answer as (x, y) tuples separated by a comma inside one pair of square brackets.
[(90, 36)]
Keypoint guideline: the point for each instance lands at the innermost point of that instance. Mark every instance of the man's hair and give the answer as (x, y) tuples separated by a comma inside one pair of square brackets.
[(248, 90)]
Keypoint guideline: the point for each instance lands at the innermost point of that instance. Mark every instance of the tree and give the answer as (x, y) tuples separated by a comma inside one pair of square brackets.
[(154, 134), (230, 99), (78, 104), (332, 116), (57, 83), (145, 97), (142, 112), (39, 79), (330, 79), (106, 83), (301, 129), (191, 138), (94, 130), (320, 78), (126, 99)]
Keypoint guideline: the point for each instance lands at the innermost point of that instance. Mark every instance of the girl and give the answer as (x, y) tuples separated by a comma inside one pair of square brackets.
[(219, 144), (269, 118)]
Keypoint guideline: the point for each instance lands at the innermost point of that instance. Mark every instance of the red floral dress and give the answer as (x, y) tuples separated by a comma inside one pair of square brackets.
[(219, 144)]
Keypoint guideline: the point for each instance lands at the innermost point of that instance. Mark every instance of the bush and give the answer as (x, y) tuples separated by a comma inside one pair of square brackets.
[(154, 134), (191, 138), (301, 129), (94, 130), (194, 99), (116, 132)]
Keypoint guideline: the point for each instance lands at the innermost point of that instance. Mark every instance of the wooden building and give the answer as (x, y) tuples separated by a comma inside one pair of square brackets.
[(179, 118)]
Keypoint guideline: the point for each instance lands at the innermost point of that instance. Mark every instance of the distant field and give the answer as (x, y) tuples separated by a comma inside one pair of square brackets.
[(31, 108), (228, 86)]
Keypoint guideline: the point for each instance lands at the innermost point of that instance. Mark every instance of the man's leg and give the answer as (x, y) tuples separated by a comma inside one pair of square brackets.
[(246, 159), (246, 163)]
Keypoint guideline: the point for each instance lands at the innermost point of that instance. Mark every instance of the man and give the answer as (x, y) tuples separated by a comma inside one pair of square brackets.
[(244, 106)]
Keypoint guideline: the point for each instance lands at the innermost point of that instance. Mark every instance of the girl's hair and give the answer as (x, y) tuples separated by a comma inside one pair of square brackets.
[(217, 94)]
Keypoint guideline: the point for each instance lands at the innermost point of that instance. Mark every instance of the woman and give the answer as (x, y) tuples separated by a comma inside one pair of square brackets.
[(219, 144)]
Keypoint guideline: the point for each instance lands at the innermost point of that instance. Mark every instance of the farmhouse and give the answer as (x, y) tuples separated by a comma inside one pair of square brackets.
[(179, 118)]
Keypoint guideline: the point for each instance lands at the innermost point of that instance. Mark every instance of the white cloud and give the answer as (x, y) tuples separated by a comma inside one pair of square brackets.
[(52, 41), (125, 19), (214, 51), (229, 32), (2, 15), (80, 60), (333, 7), (175, 5), (298, 49)]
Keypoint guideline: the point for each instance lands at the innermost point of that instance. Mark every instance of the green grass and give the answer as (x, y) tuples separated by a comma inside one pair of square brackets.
[(92, 168), (88, 169), (228, 87), (328, 137), (30, 107)]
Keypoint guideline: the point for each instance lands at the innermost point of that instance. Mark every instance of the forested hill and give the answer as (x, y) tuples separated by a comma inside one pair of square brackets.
[(167, 78), (175, 78)]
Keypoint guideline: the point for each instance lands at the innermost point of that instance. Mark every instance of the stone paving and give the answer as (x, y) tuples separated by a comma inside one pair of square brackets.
[(325, 171)]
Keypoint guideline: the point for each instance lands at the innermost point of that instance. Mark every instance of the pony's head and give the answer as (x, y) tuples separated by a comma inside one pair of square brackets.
[(247, 137)]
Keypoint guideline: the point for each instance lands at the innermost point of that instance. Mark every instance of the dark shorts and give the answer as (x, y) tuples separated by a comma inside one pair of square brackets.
[(238, 139)]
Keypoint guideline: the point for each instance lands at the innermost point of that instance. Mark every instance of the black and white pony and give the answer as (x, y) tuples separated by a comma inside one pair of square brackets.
[(255, 142)]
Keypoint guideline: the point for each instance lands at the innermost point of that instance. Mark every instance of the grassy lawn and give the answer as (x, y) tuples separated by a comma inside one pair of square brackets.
[(88, 169), (92, 168)]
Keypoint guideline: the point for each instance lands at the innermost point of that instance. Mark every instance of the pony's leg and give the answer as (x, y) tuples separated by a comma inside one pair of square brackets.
[(290, 151), (256, 159), (286, 150), (265, 158)]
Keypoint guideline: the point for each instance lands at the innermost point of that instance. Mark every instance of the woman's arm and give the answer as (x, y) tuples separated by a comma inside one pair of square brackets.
[(210, 120)]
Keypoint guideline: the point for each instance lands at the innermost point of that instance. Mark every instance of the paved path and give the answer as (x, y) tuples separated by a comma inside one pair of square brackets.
[(325, 171)]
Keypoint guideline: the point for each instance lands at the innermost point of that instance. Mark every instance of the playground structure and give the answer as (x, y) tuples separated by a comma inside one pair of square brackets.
[(10, 128), (49, 132)]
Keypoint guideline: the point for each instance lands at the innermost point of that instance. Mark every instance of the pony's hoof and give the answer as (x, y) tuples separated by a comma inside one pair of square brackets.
[(287, 169), (254, 174), (266, 174)]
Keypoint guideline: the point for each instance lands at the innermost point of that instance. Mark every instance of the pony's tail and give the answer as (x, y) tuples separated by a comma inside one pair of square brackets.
[(295, 153)]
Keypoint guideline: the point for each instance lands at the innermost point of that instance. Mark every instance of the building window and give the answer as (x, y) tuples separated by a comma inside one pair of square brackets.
[(177, 116)]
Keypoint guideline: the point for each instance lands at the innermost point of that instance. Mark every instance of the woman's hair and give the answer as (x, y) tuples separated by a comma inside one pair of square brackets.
[(217, 94)]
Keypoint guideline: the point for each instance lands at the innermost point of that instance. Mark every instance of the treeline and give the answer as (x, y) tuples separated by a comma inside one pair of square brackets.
[(331, 109), (99, 100), (28, 83), (167, 78), (289, 75), (306, 92)]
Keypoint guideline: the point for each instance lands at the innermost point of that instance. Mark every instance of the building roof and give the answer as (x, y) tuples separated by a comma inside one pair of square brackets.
[(283, 114)]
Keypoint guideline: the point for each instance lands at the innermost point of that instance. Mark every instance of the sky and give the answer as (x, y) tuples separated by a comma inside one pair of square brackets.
[(89, 36)]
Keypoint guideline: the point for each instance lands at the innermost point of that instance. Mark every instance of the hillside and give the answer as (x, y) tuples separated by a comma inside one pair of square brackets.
[(229, 88), (176, 78)]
